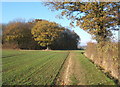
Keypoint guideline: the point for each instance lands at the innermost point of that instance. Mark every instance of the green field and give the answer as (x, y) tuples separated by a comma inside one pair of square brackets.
[(31, 67), (42, 68)]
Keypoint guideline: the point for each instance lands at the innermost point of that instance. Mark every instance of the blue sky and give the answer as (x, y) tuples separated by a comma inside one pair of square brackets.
[(36, 10)]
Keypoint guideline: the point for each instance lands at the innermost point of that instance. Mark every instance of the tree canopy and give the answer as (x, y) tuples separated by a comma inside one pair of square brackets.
[(19, 33), (46, 32), (67, 39), (97, 18), (38, 34)]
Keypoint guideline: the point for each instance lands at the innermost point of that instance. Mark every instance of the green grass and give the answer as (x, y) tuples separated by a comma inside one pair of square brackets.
[(74, 80), (92, 74), (31, 67), (41, 68)]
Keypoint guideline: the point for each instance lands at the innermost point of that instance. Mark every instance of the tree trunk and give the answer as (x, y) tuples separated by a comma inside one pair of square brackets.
[(47, 48)]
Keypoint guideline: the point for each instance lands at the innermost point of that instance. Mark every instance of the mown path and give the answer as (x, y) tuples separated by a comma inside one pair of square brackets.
[(78, 70)]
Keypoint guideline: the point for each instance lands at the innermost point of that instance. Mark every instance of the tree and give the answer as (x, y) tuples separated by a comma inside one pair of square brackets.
[(46, 32), (67, 40), (97, 18), (19, 33)]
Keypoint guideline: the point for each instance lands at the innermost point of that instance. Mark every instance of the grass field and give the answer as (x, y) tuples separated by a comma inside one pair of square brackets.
[(42, 68), (31, 67), (90, 74)]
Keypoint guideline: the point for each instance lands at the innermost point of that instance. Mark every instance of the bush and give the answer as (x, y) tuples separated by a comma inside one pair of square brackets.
[(105, 54), (10, 46)]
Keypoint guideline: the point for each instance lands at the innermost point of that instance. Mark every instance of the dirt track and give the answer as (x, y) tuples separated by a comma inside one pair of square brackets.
[(77, 70), (70, 71)]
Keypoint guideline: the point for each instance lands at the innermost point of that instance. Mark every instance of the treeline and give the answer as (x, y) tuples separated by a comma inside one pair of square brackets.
[(38, 34)]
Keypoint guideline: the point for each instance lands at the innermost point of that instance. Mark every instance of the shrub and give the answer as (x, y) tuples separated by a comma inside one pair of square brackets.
[(105, 54)]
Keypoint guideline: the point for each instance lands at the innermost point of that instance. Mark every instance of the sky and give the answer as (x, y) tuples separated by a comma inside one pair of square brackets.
[(36, 10)]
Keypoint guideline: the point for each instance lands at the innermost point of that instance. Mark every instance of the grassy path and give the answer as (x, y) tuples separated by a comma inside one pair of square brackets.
[(78, 70)]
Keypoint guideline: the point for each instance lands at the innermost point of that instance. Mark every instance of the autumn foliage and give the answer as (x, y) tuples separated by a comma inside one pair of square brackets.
[(37, 34), (46, 32), (97, 18)]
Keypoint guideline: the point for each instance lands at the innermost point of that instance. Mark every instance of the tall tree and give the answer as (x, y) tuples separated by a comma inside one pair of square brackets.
[(19, 33), (97, 18), (46, 32), (67, 40)]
